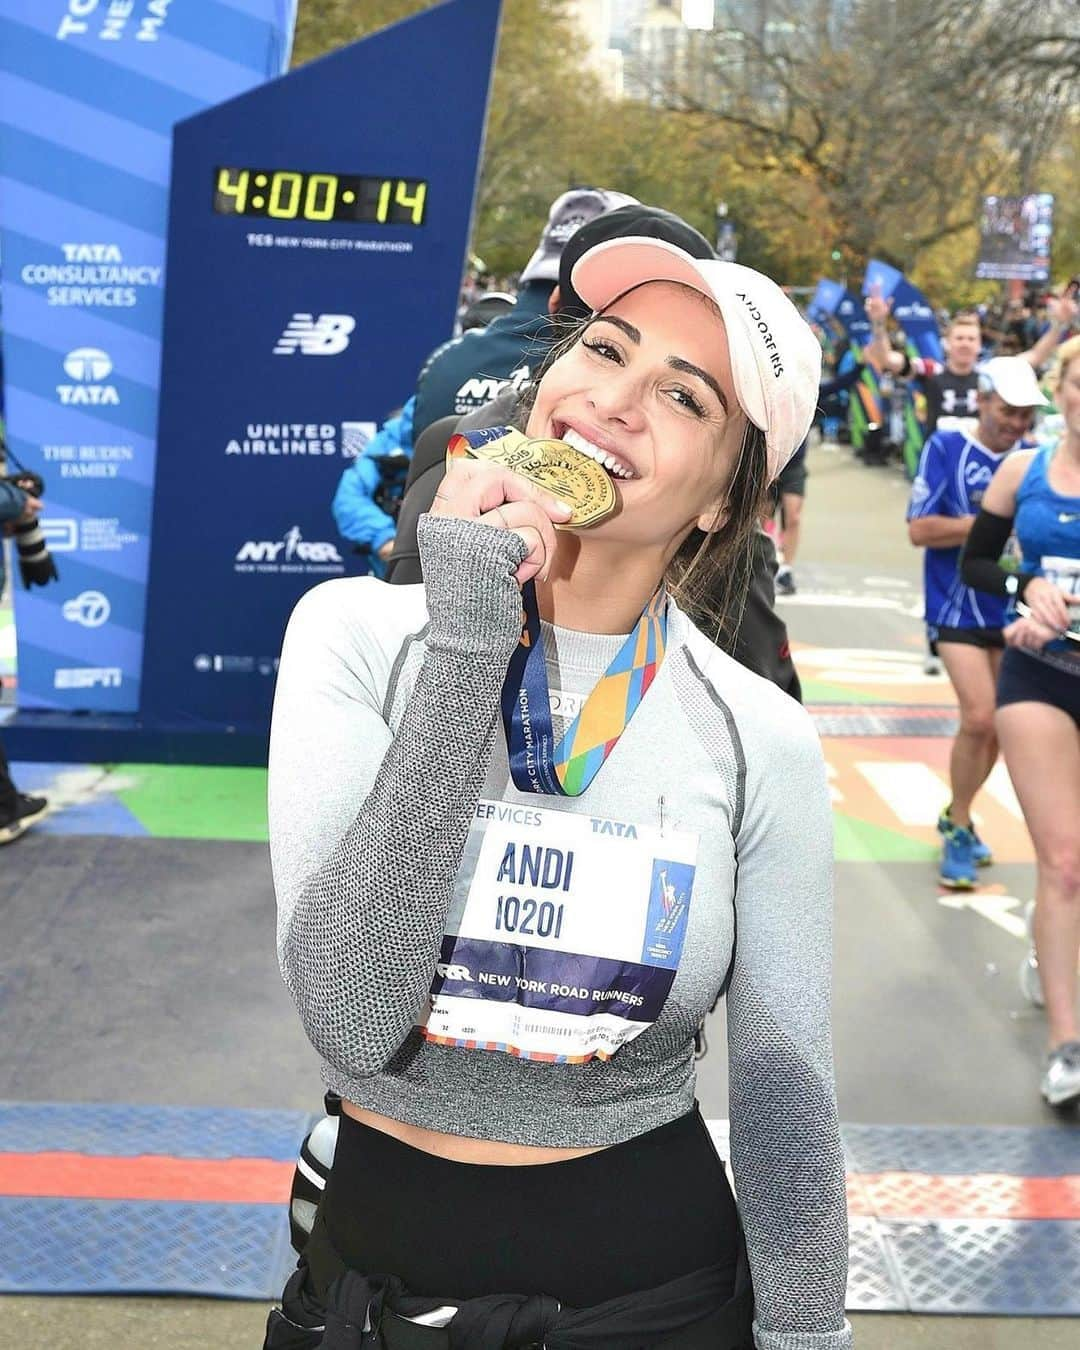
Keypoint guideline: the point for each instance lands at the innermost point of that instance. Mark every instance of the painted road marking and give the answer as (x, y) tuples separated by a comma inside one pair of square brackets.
[(864, 665), (915, 794), (999, 909), (852, 676), (248, 1181), (887, 792), (822, 600)]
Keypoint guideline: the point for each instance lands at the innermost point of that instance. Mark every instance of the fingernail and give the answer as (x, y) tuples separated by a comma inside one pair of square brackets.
[(562, 507)]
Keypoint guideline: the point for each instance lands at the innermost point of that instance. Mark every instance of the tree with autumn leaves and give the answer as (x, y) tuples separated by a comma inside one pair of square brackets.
[(877, 135)]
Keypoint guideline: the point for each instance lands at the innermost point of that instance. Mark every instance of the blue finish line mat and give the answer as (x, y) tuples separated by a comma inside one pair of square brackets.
[(145, 1199)]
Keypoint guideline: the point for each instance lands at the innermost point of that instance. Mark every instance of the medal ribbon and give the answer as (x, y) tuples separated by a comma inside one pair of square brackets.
[(566, 770)]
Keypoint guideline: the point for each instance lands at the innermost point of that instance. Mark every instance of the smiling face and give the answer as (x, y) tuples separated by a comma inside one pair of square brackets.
[(1000, 424), (647, 391)]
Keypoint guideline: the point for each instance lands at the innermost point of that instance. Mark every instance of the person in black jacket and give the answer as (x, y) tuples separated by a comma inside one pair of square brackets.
[(462, 375), (758, 637)]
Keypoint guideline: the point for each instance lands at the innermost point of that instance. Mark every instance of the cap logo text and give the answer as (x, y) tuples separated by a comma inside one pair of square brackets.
[(763, 328)]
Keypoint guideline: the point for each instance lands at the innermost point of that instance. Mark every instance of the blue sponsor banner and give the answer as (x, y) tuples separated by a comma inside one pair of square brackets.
[(318, 232), (852, 316), (825, 299), (910, 308), (831, 300), (915, 315), (89, 93)]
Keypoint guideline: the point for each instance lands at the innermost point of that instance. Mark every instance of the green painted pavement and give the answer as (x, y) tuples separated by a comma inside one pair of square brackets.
[(820, 691), (858, 841), (184, 801)]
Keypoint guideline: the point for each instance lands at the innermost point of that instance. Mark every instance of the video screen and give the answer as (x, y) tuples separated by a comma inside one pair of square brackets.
[(1014, 238)]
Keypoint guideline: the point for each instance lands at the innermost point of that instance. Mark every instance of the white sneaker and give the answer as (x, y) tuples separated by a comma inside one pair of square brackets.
[(1061, 1081), (1030, 979)]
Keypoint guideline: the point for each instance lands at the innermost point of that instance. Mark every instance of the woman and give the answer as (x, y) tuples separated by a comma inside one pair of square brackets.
[(1037, 492), (507, 886)]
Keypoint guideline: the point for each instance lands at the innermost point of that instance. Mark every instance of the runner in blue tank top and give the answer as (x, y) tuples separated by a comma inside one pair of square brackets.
[(1038, 701), (955, 469)]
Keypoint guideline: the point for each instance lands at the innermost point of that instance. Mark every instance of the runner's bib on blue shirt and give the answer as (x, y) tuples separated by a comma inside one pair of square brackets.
[(565, 934), (954, 472)]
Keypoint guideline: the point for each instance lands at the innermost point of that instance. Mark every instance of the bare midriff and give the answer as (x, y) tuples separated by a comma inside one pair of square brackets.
[(461, 1148)]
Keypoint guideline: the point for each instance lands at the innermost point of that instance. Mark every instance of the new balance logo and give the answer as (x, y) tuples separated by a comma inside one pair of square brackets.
[(327, 335)]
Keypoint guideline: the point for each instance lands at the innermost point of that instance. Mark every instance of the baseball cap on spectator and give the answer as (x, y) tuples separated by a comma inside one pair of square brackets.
[(567, 215), (775, 357), (651, 222), (1013, 377), (484, 308)]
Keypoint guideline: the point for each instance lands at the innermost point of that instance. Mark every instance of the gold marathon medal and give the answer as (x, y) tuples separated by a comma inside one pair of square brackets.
[(553, 465)]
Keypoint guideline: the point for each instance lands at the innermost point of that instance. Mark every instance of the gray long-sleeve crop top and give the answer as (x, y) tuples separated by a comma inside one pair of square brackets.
[(477, 960)]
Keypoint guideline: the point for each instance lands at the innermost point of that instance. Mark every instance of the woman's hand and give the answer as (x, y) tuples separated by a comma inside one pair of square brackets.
[(1028, 634), (476, 490), (1048, 604)]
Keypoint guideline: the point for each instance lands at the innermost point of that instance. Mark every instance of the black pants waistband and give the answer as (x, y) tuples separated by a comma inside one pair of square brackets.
[(370, 1312)]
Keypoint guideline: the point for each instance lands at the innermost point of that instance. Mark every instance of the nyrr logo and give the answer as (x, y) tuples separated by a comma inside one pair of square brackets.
[(481, 389), (291, 553), (327, 335), (91, 609), (88, 366)]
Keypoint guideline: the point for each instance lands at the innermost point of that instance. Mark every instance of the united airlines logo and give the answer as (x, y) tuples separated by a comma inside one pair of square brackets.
[(325, 335)]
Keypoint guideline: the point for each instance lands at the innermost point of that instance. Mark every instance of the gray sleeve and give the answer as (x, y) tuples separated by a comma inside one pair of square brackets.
[(786, 1152), (359, 935)]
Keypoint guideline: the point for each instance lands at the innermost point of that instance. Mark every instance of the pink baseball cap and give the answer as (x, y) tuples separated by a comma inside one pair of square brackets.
[(775, 358)]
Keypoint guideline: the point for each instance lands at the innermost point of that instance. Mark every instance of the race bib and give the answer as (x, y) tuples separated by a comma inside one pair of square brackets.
[(1065, 574), (565, 934)]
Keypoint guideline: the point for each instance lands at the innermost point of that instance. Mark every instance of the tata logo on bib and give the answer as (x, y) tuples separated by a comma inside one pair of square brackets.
[(88, 367), (91, 609), (327, 335)]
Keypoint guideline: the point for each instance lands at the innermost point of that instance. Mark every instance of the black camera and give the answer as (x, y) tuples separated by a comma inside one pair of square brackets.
[(35, 561)]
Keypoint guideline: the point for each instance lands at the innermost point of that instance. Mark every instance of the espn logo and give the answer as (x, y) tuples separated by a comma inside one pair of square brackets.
[(88, 677)]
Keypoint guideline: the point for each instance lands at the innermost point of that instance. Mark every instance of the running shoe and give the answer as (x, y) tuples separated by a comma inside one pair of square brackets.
[(1061, 1081), (957, 868), (27, 811), (785, 580), (1030, 979), (982, 853)]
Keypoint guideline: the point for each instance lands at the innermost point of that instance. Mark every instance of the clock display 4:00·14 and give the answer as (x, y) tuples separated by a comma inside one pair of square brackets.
[(286, 194)]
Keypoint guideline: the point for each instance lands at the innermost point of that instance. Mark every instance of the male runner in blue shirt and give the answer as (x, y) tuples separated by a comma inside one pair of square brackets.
[(954, 470)]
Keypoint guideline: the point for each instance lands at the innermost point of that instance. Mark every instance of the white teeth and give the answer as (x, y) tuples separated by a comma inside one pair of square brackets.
[(613, 466)]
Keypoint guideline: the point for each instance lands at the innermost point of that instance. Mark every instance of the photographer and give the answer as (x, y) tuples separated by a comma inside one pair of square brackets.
[(17, 810)]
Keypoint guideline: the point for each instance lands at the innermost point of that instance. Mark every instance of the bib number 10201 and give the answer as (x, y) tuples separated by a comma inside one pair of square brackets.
[(529, 917)]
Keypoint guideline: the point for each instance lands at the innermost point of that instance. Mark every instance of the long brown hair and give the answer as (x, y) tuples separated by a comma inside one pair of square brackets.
[(710, 574)]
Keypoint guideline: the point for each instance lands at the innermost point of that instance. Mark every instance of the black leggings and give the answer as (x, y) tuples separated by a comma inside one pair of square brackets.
[(628, 1218)]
